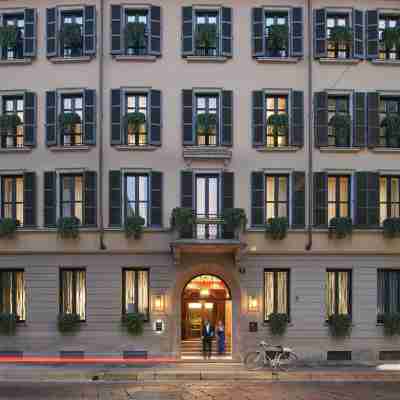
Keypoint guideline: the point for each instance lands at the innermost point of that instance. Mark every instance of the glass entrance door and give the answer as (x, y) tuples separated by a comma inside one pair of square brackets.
[(207, 205)]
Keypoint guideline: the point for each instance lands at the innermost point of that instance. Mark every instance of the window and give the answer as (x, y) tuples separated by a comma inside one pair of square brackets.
[(71, 202), (12, 195), (388, 292), (206, 43), (135, 292), (13, 105), (12, 293), (137, 18), (388, 21), (137, 196), (389, 197), (338, 293), (272, 19), (207, 133), (338, 197), (16, 20), (277, 196), (338, 105), (72, 104), (336, 50), (73, 292), (388, 105), (277, 136), (76, 18), (276, 292), (137, 135)]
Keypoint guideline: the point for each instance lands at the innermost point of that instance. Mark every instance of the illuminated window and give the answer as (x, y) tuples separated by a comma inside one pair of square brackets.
[(338, 293), (136, 135), (277, 196), (12, 293), (72, 104), (72, 196), (388, 21), (336, 50), (16, 52), (12, 198), (389, 197), (73, 292), (135, 291), (207, 104), (207, 21), (276, 292), (338, 197), (137, 196), (277, 136)]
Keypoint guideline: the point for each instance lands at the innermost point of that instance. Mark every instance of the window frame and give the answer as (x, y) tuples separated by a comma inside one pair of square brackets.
[(379, 317), (73, 96), (383, 53), (337, 201), (275, 12), (125, 16), (16, 17), (72, 202), (126, 175), (337, 14), (137, 94), (14, 295), (208, 11), (389, 194), (383, 112), (19, 138), (62, 12), (276, 95), (336, 271), (276, 202), (349, 104), (207, 95), (13, 202)]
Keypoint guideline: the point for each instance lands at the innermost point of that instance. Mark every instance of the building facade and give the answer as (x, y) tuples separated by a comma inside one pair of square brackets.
[(134, 109)]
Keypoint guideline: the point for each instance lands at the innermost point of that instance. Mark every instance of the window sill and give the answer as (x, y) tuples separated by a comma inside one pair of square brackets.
[(70, 60), (343, 150), (24, 149), (69, 148), (144, 58), (207, 153), (346, 61), (278, 60), (127, 147), (17, 61), (385, 62), (212, 59), (385, 150), (283, 149)]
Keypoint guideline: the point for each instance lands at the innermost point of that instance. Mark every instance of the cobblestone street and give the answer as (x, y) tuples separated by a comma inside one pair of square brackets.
[(200, 391)]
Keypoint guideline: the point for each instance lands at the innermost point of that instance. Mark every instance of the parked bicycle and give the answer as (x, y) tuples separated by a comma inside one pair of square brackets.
[(276, 357)]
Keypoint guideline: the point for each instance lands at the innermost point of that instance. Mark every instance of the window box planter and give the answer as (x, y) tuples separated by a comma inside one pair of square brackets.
[(8, 324), (8, 227), (68, 323), (340, 326), (391, 324), (277, 228), (133, 323), (391, 228), (278, 324), (134, 227), (68, 227), (340, 227)]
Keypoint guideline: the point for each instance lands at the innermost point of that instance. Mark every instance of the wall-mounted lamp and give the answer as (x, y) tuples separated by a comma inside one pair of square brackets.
[(159, 303), (159, 326), (253, 304)]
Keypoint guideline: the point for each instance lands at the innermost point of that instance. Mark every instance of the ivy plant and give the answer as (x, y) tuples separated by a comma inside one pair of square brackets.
[(279, 123), (391, 123), (277, 228), (206, 36), (8, 36), (341, 35), (68, 121), (391, 228), (68, 227), (8, 227), (182, 220), (134, 226), (391, 37), (71, 35), (68, 323), (133, 322), (9, 124), (135, 35), (340, 227), (340, 325), (278, 38), (8, 323), (391, 324), (235, 218), (341, 124), (278, 324)]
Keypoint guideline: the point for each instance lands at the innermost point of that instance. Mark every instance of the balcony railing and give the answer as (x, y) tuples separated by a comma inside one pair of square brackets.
[(207, 228)]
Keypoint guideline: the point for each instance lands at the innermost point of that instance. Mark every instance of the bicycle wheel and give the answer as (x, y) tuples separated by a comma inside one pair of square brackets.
[(287, 360), (254, 361)]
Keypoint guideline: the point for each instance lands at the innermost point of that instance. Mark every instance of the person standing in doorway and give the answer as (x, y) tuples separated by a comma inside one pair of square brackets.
[(207, 336), (221, 337)]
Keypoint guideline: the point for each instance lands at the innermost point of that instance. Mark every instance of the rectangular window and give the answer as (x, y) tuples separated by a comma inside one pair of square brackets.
[(276, 196), (136, 31), (137, 130), (339, 197), (207, 116), (207, 33), (12, 196), (13, 105), (338, 292), (277, 134), (276, 292), (71, 201), (73, 46), (335, 20), (71, 135), (389, 197), (389, 105), (275, 21), (388, 21), (17, 51), (12, 293), (388, 292), (137, 196), (73, 292), (338, 106), (135, 297)]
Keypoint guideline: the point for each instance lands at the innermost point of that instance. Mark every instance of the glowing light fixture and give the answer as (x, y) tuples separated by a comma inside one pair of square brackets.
[(204, 292), (253, 303), (159, 304)]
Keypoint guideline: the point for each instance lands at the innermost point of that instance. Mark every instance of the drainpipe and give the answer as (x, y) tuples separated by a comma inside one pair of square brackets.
[(310, 126)]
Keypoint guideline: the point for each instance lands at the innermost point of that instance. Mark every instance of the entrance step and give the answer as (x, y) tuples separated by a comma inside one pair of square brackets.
[(193, 349)]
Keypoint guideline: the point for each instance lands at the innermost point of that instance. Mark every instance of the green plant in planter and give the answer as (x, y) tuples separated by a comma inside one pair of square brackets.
[(341, 35), (68, 323), (340, 325), (135, 35), (277, 228), (68, 227), (278, 38), (135, 120), (133, 322), (391, 324), (71, 36), (341, 124), (391, 228), (8, 323), (134, 226), (391, 37), (278, 324), (182, 220), (8, 36), (279, 123), (235, 218), (68, 121), (206, 36), (391, 123), (340, 227), (206, 122), (8, 227), (9, 124)]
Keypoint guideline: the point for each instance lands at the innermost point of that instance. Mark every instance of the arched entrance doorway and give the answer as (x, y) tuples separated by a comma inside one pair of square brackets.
[(205, 297)]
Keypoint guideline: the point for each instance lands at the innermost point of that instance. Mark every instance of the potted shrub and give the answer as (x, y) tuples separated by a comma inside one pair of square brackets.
[(135, 36), (68, 323), (235, 219), (391, 123), (206, 36), (340, 227), (134, 121), (134, 226), (206, 122), (182, 220), (68, 122), (68, 227), (133, 322), (341, 36), (391, 38), (339, 325), (278, 324), (8, 36), (277, 228), (391, 324), (71, 37), (8, 323), (341, 124), (391, 227), (9, 124), (8, 227), (278, 39), (279, 123)]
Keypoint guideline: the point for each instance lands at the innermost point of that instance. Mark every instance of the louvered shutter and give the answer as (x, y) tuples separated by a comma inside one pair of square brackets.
[(90, 212), (116, 30), (359, 119), (51, 118), (226, 31), (257, 199), (156, 181), (321, 119), (187, 189), (258, 33), (258, 118), (187, 31), (29, 199), (297, 120), (155, 117), (155, 31), (367, 211), (373, 118), (320, 42), (320, 191), (187, 118), (89, 97), (358, 34), (89, 40), (297, 32), (227, 118), (29, 119), (115, 206), (51, 32), (30, 26), (298, 200), (50, 199), (372, 34), (227, 189), (116, 116)]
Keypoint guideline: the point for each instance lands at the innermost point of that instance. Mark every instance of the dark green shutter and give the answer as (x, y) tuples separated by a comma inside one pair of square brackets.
[(297, 120), (187, 118), (258, 32), (372, 34), (90, 212), (115, 199), (50, 199), (258, 118), (30, 32), (359, 119), (373, 118), (29, 119), (187, 31), (29, 199), (321, 119), (227, 189), (320, 43), (116, 30), (227, 118), (320, 191), (51, 31), (187, 189), (367, 200), (226, 31), (257, 199), (156, 198), (89, 128), (297, 32), (155, 31), (116, 116), (89, 40), (155, 117), (298, 199), (51, 118), (358, 34)]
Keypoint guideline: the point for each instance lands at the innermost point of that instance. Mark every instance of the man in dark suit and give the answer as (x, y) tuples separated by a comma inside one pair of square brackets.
[(207, 336)]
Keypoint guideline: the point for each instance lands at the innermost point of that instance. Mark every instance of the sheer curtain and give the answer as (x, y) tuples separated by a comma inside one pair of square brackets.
[(282, 306), (337, 293), (388, 291), (20, 295), (343, 306), (269, 294), (130, 291), (143, 292), (67, 292), (330, 294), (81, 294)]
